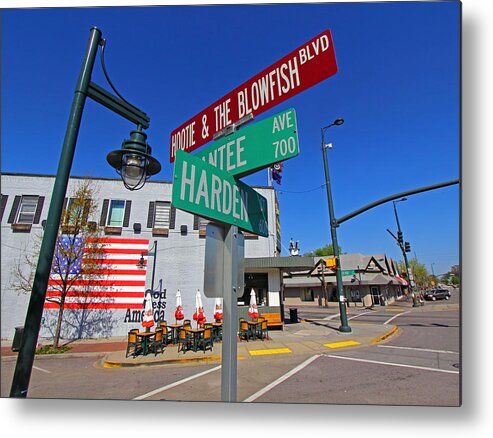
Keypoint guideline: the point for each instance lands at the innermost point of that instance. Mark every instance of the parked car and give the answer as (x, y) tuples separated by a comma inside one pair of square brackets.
[(437, 294)]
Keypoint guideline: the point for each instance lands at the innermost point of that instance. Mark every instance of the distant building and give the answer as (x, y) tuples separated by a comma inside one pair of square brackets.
[(367, 279), (137, 218)]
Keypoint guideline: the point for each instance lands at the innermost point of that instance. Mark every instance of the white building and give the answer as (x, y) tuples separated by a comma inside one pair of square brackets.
[(144, 215)]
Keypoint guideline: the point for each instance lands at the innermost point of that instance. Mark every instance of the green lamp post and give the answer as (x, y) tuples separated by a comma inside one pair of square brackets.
[(135, 166), (344, 327)]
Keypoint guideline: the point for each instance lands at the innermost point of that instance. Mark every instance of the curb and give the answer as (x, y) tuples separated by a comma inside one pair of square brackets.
[(387, 335), (206, 359), (119, 364)]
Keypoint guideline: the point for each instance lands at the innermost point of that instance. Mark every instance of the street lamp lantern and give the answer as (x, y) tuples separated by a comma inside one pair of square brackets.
[(134, 162), (338, 122)]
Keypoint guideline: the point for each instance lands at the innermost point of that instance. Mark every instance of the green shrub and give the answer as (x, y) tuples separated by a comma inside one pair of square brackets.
[(48, 349)]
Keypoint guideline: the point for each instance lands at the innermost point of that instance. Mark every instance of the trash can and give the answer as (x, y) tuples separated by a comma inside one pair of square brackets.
[(16, 343), (293, 315)]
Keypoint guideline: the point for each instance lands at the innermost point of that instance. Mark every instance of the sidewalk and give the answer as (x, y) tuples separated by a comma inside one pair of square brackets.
[(316, 336)]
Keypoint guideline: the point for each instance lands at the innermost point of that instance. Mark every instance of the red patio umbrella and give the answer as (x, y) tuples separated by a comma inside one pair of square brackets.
[(218, 311), (199, 315), (252, 310), (179, 308), (148, 319)]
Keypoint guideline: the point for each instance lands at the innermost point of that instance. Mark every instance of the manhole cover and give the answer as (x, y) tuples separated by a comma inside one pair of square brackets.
[(456, 365)]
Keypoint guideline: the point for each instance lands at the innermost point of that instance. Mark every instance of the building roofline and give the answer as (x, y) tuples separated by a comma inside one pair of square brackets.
[(44, 175)]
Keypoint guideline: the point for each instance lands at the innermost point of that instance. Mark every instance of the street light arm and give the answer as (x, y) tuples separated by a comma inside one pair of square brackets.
[(396, 196)]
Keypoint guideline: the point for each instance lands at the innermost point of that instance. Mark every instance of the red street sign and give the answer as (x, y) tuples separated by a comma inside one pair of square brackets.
[(306, 66)]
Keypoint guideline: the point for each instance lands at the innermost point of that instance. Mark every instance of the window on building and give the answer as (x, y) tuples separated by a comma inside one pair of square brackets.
[(76, 211), (115, 213), (162, 214), (161, 217), (27, 210)]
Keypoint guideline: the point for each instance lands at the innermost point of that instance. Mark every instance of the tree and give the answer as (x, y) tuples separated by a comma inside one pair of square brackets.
[(419, 272), (453, 276), (78, 259), (326, 250)]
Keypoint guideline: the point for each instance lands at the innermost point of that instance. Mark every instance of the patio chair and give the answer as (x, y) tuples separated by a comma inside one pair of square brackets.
[(167, 335), (157, 342), (186, 322), (133, 344), (185, 339), (217, 333), (206, 340), (264, 330), (245, 332)]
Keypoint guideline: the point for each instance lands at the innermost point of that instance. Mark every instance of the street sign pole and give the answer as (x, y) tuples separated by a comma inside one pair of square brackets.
[(230, 315)]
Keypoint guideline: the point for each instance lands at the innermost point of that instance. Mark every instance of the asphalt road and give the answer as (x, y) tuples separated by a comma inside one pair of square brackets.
[(417, 366)]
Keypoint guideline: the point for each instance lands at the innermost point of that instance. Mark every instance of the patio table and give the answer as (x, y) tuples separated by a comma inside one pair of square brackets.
[(252, 326), (175, 332), (145, 336), (197, 334)]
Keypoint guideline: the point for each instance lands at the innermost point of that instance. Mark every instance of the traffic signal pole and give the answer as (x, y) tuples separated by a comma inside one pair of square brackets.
[(408, 271), (336, 222)]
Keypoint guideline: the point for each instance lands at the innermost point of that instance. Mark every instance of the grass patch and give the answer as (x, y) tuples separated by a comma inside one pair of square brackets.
[(48, 349)]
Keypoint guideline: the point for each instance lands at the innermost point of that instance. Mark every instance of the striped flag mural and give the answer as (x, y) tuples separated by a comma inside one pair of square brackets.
[(101, 273)]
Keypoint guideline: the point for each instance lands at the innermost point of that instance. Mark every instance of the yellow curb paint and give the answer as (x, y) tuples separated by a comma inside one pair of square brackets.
[(112, 365), (385, 336), (395, 310), (206, 359), (342, 344), (271, 351)]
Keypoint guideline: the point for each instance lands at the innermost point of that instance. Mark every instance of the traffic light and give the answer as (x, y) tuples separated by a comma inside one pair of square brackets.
[(400, 238), (407, 247)]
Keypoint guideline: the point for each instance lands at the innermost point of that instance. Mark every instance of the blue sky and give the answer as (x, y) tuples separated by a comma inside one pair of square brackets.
[(397, 89)]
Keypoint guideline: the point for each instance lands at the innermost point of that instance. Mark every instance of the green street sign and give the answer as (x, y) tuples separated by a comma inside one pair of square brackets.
[(255, 146), (348, 273), (207, 191)]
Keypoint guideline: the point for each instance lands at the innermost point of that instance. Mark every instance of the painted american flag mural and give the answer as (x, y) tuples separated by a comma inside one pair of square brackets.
[(112, 280)]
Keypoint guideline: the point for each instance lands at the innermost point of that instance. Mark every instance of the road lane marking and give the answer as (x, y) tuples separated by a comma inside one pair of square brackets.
[(419, 349), (41, 369), (281, 379), (270, 351), (395, 316), (392, 364), (341, 344), (179, 382), (356, 316)]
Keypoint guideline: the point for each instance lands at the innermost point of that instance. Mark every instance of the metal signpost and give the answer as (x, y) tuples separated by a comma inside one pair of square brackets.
[(209, 192), (214, 260), (256, 146), (304, 67), (207, 183)]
